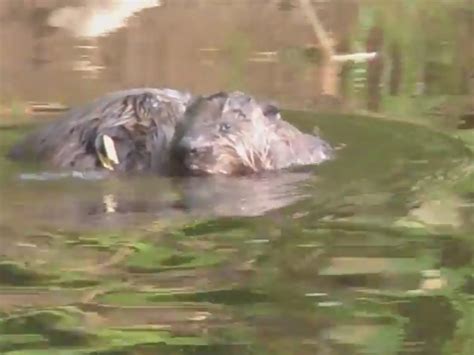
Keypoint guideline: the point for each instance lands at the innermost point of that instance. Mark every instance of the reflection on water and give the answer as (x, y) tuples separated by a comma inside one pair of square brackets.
[(368, 253), (80, 198), (48, 176)]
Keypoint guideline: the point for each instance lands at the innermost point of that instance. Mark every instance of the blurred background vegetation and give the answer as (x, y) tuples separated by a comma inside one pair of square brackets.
[(63, 51)]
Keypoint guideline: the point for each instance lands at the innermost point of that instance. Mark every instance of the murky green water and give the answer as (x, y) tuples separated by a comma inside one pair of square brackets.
[(370, 253)]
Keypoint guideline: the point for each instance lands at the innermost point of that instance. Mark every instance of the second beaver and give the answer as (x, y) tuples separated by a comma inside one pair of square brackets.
[(233, 134), (128, 130)]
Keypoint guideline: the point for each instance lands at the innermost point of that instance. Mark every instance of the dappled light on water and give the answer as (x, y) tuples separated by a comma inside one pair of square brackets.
[(325, 257)]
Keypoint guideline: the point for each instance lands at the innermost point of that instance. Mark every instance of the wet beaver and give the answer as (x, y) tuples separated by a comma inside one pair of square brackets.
[(136, 124), (167, 131), (232, 133)]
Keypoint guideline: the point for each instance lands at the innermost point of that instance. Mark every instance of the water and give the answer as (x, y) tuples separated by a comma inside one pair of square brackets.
[(331, 258), (371, 253)]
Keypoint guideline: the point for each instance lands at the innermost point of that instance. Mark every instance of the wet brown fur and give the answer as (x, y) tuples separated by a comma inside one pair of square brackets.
[(238, 135), (166, 131), (141, 123)]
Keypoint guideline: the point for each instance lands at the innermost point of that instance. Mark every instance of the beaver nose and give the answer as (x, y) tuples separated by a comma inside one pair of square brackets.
[(196, 151), (191, 147)]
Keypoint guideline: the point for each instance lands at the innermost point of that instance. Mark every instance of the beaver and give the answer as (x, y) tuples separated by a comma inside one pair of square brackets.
[(125, 131), (172, 132), (234, 134)]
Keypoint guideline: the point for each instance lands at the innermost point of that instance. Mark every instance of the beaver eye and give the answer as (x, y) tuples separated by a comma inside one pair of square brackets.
[(240, 114), (224, 127)]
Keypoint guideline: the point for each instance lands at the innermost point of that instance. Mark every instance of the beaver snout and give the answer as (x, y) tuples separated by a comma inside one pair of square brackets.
[(188, 147), (199, 151), (193, 153)]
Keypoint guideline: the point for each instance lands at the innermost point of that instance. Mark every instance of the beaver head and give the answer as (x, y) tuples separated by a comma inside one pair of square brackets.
[(232, 134)]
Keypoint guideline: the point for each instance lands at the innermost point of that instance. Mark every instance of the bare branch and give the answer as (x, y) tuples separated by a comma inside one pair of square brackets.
[(354, 57), (325, 40), (321, 34)]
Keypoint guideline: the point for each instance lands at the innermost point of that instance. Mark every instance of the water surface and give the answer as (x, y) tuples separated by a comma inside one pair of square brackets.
[(338, 257)]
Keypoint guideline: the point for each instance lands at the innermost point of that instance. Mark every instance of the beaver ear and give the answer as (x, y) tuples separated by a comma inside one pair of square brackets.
[(218, 96), (219, 99), (271, 111), (206, 106)]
